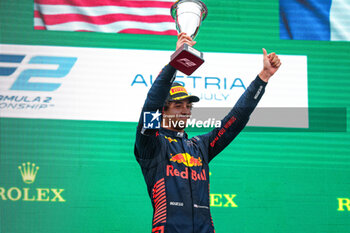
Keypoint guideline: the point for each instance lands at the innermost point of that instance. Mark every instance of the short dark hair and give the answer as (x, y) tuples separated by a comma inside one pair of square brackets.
[(166, 106)]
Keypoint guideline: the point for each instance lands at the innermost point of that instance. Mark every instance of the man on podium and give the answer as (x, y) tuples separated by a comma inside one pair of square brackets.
[(175, 167)]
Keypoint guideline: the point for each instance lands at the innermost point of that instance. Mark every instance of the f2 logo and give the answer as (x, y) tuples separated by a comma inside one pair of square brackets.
[(22, 82)]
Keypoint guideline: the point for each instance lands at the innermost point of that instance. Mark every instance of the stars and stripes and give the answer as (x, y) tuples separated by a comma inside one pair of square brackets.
[(113, 16)]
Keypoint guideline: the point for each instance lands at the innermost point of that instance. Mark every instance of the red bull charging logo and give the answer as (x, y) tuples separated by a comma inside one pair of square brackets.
[(187, 160)]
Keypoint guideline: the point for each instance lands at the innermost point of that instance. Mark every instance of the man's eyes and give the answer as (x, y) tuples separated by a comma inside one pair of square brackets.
[(180, 106)]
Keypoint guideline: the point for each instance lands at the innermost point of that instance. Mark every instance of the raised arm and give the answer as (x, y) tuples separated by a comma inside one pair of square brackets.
[(239, 115), (146, 139)]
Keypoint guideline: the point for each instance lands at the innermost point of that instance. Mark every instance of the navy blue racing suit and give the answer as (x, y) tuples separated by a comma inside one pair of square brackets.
[(175, 167)]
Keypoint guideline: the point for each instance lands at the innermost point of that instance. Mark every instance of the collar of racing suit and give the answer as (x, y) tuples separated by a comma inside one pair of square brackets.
[(173, 133)]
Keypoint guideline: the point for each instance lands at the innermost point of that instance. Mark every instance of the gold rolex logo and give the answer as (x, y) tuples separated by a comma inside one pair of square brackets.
[(28, 172)]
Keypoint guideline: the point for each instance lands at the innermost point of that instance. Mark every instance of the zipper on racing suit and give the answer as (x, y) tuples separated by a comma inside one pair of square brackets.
[(189, 178)]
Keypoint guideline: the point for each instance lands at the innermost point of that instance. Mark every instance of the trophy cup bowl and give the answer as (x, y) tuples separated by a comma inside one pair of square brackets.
[(188, 16)]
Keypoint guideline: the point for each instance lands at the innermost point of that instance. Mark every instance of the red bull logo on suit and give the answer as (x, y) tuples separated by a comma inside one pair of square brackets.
[(187, 160)]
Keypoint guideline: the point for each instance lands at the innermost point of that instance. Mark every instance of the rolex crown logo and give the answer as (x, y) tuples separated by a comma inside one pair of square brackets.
[(28, 172)]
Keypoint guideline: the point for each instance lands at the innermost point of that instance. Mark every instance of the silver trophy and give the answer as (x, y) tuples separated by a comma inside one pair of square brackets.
[(188, 15)]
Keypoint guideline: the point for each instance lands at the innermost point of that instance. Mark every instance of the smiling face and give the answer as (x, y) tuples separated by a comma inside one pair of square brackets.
[(176, 114)]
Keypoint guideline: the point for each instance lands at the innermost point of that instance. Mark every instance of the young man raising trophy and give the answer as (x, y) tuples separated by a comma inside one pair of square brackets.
[(175, 167)]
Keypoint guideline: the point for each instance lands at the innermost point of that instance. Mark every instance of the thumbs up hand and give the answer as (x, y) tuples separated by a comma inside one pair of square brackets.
[(271, 65)]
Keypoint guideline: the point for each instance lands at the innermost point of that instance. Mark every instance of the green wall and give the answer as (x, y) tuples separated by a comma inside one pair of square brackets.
[(280, 181)]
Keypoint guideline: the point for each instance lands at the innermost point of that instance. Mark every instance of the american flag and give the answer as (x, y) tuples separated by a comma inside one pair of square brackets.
[(113, 16)]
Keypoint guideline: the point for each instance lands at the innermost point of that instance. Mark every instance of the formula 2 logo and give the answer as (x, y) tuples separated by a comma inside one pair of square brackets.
[(23, 82)]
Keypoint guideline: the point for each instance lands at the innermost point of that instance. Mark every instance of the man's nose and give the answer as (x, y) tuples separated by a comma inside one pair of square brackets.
[(186, 110)]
